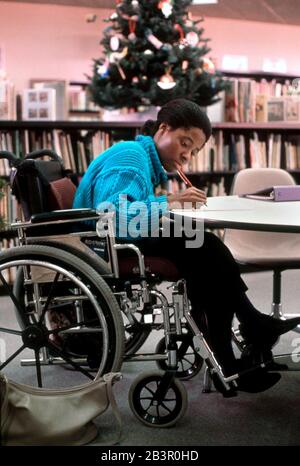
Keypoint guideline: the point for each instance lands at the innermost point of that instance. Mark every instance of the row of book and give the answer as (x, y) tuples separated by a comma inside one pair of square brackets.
[(10, 210), (221, 153), (7, 100), (238, 152), (174, 185), (80, 99), (250, 101), (76, 152)]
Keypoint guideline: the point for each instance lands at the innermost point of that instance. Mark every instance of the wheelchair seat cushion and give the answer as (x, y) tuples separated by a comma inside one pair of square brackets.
[(163, 268)]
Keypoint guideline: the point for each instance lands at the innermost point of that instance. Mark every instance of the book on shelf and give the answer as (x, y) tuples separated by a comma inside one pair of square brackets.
[(7, 100), (275, 109), (284, 193), (292, 109), (247, 101), (261, 108)]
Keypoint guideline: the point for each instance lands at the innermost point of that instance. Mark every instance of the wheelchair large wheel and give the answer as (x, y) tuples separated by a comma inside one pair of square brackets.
[(136, 331), (67, 318), (189, 361), (156, 411)]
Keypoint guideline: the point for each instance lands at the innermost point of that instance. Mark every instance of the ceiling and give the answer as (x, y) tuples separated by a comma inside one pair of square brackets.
[(274, 11)]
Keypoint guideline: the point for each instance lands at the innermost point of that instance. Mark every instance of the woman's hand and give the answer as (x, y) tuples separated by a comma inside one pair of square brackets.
[(188, 198)]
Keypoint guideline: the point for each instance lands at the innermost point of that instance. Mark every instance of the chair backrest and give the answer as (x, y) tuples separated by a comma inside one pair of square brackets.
[(255, 246), (42, 186), (254, 179)]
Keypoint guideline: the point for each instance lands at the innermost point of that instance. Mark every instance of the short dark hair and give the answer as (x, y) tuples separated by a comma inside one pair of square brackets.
[(179, 113)]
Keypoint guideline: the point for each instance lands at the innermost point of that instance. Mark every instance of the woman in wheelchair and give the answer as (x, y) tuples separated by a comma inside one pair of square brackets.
[(128, 172)]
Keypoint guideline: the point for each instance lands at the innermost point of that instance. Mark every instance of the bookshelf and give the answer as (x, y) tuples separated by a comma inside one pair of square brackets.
[(232, 147)]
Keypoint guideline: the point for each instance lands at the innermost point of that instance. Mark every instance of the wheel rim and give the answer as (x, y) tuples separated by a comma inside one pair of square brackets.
[(38, 337), (151, 411)]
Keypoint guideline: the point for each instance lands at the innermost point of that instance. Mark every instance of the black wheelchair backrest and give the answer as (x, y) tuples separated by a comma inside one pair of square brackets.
[(42, 186)]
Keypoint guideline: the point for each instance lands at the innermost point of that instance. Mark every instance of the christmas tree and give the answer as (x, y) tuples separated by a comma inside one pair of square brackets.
[(154, 52)]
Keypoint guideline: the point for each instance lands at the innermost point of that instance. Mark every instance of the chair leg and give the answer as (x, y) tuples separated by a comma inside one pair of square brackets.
[(276, 304)]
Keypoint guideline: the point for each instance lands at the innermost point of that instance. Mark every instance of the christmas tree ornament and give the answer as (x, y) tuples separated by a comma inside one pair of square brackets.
[(180, 30), (166, 81), (115, 57), (102, 70), (121, 71), (135, 79), (154, 40), (192, 38), (114, 16), (184, 65), (135, 4), (166, 6), (148, 52), (132, 26), (208, 65), (114, 43)]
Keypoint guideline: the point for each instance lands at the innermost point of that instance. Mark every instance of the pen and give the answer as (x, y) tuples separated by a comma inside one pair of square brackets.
[(186, 181)]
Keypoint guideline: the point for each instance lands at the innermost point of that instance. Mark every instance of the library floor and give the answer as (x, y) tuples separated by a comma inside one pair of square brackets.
[(270, 418)]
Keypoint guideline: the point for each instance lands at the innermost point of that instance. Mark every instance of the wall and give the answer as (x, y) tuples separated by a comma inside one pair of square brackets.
[(50, 41)]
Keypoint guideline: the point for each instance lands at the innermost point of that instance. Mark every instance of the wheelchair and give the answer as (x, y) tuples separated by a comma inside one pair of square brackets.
[(77, 305)]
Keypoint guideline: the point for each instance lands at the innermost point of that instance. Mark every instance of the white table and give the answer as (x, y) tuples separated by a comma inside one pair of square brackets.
[(246, 214), (249, 214)]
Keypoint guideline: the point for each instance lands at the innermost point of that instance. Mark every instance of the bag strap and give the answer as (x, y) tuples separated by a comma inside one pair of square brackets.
[(110, 378), (3, 405)]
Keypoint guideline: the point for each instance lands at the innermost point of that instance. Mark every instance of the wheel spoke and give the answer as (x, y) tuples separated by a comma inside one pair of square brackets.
[(187, 360), (49, 298), (166, 408), (149, 390), (8, 330), (38, 368), (12, 356), (69, 360)]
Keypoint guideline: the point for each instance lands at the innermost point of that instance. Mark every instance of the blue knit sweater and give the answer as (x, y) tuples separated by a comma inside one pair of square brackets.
[(126, 173)]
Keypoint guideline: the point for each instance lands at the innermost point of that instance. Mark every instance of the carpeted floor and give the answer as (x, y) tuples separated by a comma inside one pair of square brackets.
[(269, 418)]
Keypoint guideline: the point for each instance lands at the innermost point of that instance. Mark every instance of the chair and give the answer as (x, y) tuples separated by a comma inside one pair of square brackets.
[(258, 251)]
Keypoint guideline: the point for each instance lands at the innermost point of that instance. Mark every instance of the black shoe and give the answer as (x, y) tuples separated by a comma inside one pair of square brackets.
[(266, 330), (257, 381)]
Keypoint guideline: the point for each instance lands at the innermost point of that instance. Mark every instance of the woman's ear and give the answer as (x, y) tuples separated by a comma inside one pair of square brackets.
[(163, 127)]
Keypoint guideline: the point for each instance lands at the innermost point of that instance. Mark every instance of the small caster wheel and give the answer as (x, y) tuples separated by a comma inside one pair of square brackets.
[(154, 412), (189, 361)]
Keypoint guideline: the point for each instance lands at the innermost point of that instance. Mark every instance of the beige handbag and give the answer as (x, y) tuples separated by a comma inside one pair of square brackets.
[(38, 416)]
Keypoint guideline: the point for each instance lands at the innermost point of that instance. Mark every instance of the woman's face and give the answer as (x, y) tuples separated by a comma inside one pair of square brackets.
[(176, 147)]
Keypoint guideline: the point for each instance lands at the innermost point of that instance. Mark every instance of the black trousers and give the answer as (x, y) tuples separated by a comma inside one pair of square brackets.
[(214, 286)]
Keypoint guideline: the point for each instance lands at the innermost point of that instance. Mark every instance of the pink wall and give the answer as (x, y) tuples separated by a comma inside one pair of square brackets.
[(50, 41)]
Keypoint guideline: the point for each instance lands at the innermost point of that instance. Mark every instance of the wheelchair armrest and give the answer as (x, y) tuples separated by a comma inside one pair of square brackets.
[(67, 214)]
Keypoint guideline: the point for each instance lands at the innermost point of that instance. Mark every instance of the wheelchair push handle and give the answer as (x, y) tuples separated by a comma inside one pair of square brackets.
[(41, 153), (12, 158)]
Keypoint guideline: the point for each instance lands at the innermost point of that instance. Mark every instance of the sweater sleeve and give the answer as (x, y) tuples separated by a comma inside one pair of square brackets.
[(126, 192)]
